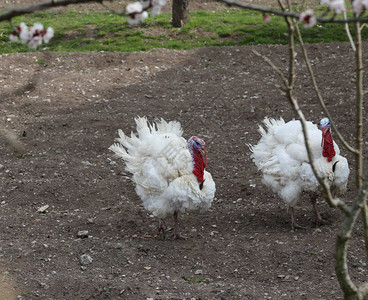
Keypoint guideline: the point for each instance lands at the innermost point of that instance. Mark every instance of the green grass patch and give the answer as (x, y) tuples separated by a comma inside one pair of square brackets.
[(107, 291), (104, 31), (196, 280)]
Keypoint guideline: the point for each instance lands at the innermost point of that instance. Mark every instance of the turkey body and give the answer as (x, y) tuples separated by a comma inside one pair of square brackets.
[(282, 158), (162, 164)]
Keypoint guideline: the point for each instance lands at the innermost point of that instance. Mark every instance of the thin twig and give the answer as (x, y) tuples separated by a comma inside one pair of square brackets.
[(319, 96), (292, 53), (272, 65), (113, 10), (359, 125), (41, 6), (333, 202), (12, 25), (349, 34), (289, 14), (342, 242), (282, 5), (292, 26)]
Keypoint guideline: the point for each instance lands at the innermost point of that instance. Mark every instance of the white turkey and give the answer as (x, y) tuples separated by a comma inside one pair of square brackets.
[(282, 157), (168, 171)]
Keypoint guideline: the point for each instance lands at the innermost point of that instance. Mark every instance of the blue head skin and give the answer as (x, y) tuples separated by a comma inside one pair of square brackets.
[(325, 124), (195, 143)]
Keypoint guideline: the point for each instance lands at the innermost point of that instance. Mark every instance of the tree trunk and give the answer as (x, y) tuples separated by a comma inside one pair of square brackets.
[(180, 13)]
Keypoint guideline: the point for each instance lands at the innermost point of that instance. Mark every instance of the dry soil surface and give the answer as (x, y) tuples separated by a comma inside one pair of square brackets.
[(63, 114)]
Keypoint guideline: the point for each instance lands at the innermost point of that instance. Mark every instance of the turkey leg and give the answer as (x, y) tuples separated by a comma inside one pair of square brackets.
[(319, 219), (177, 235), (162, 227), (293, 223)]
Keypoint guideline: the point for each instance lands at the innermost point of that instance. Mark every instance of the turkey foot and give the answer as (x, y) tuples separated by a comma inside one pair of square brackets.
[(294, 225), (162, 227), (177, 235), (319, 220)]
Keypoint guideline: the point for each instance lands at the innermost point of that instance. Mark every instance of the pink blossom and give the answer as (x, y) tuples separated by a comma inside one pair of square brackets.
[(146, 3), (13, 37), (33, 36), (157, 6), (135, 13), (36, 29), (35, 42), (338, 6), (134, 8), (159, 2), (308, 18), (155, 11), (266, 18), (359, 5), (49, 34), (22, 27), (135, 19), (24, 33)]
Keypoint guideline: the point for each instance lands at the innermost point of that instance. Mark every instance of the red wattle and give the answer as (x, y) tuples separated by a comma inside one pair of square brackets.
[(327, 144), (200, 164)]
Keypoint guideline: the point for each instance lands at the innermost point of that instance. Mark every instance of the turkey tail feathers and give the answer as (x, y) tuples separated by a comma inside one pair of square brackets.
[(132, 149), (118, 151), (143, 127), (171, 127)]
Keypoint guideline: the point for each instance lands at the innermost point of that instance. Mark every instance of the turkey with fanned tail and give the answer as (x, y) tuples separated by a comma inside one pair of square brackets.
[(282, 157), (168, 171)]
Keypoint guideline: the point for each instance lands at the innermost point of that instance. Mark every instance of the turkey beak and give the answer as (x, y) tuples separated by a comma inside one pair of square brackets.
[(324, 129), (203, 153)]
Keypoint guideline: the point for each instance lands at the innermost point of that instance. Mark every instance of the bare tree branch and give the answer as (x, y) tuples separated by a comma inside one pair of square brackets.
[(292, 25), (282, 5), (41, 6), (359, 205), (348, 33), (113, 10), (296, 16), (288, 84), (333, 202), (12, 25), (319, 96), (272, 65), (343, 238), (292, 52), (359, 125)]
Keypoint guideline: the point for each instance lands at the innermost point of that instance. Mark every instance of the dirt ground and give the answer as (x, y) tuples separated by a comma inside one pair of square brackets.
[(65, 110)]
